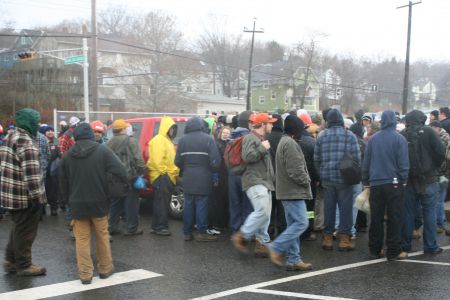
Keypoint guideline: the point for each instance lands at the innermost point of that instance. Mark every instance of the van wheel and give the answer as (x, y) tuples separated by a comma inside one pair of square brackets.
[(176, 205)]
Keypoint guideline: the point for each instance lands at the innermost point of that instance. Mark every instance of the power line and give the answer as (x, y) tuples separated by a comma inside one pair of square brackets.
[(72, 35), (239, 68)]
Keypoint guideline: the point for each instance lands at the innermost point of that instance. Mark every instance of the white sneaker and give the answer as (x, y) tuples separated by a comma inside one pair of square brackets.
[(212, 232)]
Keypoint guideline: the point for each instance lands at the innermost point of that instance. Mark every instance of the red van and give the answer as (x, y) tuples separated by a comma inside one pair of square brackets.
[(144, 130)]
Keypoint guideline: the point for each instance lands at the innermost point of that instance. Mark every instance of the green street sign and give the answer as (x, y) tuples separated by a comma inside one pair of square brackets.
[(74, 59)]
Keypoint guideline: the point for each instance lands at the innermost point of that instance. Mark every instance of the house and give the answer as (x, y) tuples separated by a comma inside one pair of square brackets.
[(280, 86), (424, 94)]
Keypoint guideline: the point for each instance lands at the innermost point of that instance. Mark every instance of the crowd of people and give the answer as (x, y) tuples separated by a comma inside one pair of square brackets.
[(277, 180)]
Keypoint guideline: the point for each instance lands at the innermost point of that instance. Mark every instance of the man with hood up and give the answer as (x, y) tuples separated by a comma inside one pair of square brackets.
[(197, 157), (426, 155), (385, 173), (22, 192), (163, 173), (329, 151), (293, 189), (277, 219), (82, 176)]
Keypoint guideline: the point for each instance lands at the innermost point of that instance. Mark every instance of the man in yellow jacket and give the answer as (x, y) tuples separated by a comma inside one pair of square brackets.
[(163, 173)]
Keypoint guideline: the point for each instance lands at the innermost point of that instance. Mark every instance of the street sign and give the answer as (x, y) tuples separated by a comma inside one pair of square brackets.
[(74, 59)]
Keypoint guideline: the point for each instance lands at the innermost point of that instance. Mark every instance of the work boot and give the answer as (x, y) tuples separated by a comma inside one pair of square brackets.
[(107, 274), (261, 250), (239, 243), (86, 280), (32, 270), (204, 237), (9, 267), (345, 244), (327, 242), (402, 255), (276, 258), (300, 266)]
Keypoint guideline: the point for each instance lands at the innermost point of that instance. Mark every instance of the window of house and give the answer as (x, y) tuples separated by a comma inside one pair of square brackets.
[(286, 100), (262, 99), (265, 85), (207, 112), (273, 96), (138, 90), (189, 89)]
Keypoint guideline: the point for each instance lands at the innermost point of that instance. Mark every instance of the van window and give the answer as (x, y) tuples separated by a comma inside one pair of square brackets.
[(180, 130)]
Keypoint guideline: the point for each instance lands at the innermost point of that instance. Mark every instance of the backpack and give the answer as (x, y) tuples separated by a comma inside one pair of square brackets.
[(233, 156), (126, 157), (349, 167)]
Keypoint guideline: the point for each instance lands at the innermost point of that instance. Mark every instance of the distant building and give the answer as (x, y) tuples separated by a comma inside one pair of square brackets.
[(280, 86), (424, 94)]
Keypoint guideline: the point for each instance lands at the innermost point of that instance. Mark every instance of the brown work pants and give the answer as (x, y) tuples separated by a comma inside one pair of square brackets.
[(82, 230)]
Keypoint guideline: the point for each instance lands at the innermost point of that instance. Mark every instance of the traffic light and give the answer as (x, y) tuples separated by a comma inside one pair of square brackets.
[(27, 55)]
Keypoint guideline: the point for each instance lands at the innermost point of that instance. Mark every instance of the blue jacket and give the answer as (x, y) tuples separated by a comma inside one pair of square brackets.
[(386, 154), (331, 146), (197, 157)]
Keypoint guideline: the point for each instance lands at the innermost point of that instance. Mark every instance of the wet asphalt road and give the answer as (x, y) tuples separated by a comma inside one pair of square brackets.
[(193, 269)]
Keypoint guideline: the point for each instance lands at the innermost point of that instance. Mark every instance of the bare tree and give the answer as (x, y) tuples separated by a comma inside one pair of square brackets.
[(310, 52), (227, 53)]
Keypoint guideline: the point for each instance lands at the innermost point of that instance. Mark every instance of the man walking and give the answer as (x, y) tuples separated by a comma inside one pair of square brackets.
[(129, 153), (163, 174), (82, 176), (331, 146), (197, 157), (385, 172), (258, 183), (22, 191), (292, 188)]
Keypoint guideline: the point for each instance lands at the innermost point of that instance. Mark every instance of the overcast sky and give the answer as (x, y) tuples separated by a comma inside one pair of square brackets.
[(370, 28)]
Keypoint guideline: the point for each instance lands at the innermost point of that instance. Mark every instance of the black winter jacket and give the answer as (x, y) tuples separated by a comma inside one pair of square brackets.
[(197, 157), (82, 176)]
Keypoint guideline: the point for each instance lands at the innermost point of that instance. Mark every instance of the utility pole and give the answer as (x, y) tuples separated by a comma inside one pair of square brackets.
[(94, 80), (406, 78), (85, 80), (251, 61)]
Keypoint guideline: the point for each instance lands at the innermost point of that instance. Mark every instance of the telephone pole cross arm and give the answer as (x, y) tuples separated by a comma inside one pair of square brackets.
[(251, 62), (406, 78)]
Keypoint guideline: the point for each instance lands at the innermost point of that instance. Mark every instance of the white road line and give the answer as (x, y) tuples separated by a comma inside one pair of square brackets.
[(300, 276), (296, 295), (425, 262), (75, 286)]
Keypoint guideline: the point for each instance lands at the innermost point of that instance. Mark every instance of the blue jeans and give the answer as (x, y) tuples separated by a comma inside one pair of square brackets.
[(195, 206), (257, 223), (128, 204), (297, 222), (239, 204), (342, 196), (428, 202), (357, 189), (440, 206)]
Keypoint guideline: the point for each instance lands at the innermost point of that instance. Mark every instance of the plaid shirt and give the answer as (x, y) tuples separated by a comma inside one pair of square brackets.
[(66, 141), (20, 175), (329, 151), (44, 152)]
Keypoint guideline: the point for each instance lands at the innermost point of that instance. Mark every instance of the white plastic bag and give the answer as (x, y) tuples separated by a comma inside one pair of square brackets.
[(362, 201)]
